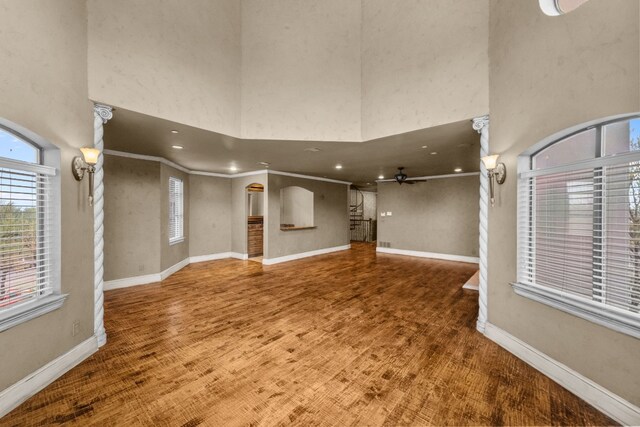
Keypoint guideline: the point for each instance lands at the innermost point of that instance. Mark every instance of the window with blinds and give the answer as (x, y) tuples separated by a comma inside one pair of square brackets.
[(579, 224), (25, 225), (176, 210)]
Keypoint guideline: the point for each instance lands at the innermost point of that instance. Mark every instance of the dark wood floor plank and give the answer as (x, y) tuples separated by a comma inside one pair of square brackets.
[(351, 338)]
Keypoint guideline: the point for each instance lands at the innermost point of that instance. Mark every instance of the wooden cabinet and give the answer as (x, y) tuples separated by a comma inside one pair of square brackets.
[(254, 235)]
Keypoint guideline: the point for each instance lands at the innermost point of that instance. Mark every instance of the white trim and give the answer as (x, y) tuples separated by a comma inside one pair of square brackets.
[(158, 277), (471, 286), (278, 260), (210, 257), (174, 268), (604, 400), (14, 395), (238, 255), (26, 166), (131, 281), (148, 158), (221, 175), (23, 312), (611, 317), (426, 178), (315, 178), (420, 254)]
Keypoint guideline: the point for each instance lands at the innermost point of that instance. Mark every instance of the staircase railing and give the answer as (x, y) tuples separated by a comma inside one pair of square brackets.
[(363, 230)]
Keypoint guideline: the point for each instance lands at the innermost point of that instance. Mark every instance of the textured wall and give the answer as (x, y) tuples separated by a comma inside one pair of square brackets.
[(131, 217), (43, 82), (170, 59), (439, 215), (593, 53), (370, 203), (424, 63), (209, 215), (330, 217), (301, 69), (296, 206), (171, 254)]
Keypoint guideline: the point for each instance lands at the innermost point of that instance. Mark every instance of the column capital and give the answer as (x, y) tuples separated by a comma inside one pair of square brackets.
[(105, 112), (480, 123)]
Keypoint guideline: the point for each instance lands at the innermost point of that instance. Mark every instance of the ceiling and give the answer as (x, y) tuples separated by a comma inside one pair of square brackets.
[(457, 146)]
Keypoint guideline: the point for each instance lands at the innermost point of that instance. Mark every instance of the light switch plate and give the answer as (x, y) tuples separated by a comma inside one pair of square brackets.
[(388, 213), (383, 214)]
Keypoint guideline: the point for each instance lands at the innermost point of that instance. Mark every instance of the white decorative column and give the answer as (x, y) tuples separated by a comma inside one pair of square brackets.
[(101, 115), (481, 125)]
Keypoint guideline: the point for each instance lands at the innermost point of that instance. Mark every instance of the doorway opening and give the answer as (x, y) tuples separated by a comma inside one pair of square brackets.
[(255, 221)]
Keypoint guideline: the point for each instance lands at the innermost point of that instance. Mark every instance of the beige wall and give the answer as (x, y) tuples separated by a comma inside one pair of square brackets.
[(175, 60), (424, 63), (209, 215), (43, 87), (239, 210), (331, 217), (331, 70), (439, 215), (131, 217), (548, 74), (171, 254), (301, 69)]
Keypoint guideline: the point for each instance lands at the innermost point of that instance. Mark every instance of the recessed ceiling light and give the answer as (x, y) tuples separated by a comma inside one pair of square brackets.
[(381, 177), (174, 131), (312, 149), (338, 166), (233, 168), (457, 170), (368, 183), (177, 147), (424, 146), (433, 153)]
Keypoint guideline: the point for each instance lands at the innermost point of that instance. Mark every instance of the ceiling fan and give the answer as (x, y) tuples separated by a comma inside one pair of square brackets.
[(401, 177)]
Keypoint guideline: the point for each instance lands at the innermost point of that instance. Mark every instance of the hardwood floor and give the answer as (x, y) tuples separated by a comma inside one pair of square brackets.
[(350, 338)]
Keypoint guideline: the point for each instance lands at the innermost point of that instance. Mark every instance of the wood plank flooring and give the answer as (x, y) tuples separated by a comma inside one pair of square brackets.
[(350, 338)]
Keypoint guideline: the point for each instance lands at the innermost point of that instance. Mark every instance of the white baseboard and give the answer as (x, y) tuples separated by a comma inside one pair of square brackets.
[(131, 281), (14, 395), (158, 277), (176, 267), (609, 403), (210, 257), (270, 261), (238, 255), (420, 254)]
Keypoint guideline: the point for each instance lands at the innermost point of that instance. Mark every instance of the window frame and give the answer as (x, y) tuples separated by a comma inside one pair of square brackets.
[(609, 316), (49, 159), (177, 238)]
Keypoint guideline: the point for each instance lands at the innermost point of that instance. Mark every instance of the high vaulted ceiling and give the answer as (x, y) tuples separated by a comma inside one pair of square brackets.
[(456, 145)]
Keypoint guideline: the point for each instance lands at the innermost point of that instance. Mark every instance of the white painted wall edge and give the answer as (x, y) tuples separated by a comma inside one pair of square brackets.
[(219, 175), (604, 400), (420, 254), (270, 261), (14, 395)]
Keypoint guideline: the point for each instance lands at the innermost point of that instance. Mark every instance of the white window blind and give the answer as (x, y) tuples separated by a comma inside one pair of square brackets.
[(579, 238), (176, 210), (25, 233)]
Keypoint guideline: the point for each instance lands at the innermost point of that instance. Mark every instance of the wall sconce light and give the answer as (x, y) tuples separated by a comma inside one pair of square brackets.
[(86, 163), (496, 171)]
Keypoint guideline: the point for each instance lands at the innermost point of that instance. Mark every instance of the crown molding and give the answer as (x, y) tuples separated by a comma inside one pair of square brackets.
[(214, 174)]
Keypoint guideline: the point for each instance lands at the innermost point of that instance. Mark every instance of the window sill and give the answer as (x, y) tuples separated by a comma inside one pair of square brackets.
[(16, 315), (619, 320), (176, 241)]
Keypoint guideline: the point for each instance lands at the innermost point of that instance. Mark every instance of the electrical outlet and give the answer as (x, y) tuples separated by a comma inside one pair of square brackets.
[(76, 328)]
